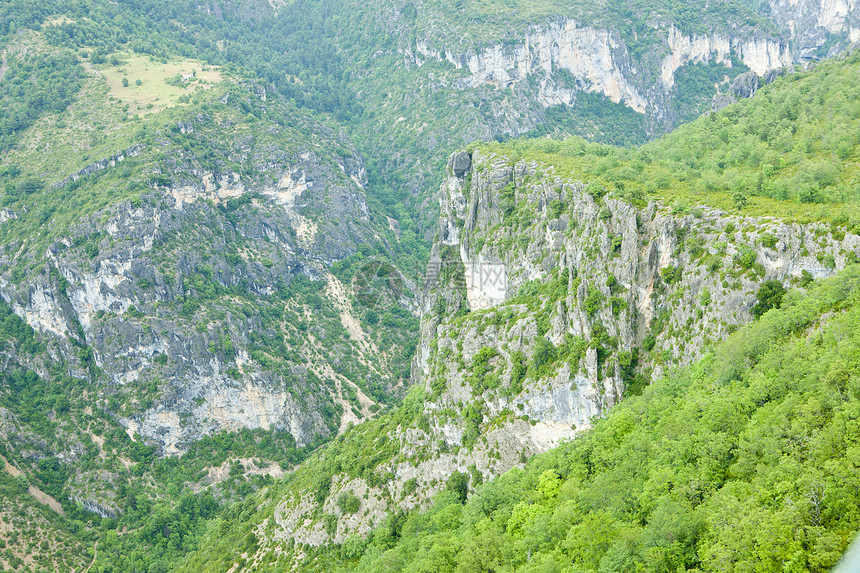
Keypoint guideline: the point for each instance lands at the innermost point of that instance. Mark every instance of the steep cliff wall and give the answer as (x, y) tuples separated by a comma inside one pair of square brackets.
[(619, 271), (599, 61), (816, 28), (544, 305)]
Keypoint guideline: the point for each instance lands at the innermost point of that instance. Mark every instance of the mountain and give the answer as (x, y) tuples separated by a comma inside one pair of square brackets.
[(216, 218), (745, 459), (182, 250), (556, 302)]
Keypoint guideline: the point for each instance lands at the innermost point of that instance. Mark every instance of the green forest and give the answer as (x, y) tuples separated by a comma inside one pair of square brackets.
[(792, 151), (247, 193)]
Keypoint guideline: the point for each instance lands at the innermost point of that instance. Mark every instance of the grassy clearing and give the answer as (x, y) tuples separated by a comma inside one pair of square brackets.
[(97, 124), (153, 93), (56, 21)]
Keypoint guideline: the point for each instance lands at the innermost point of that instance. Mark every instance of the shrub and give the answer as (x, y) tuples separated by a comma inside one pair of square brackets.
[(593, 300), (348, 503), (671, 275)]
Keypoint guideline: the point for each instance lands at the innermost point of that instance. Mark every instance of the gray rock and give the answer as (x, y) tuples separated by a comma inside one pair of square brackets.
[(745, 85), (460, 163)]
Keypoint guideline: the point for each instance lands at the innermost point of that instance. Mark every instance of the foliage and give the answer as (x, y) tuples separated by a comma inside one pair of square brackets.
[(348, 503), (32, 86), (744, 460), (773, 154), (458, 484), (769, 296)]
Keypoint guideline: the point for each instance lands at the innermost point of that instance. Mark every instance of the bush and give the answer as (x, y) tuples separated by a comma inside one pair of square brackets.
[(671, 275), (768, 240), (745, 259), (348, 503), (544, 355), (593, 300), (458, 484), (371, 317)]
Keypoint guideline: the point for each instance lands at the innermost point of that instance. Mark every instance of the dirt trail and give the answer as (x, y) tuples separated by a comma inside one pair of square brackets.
[(3, 66), (95, 556)]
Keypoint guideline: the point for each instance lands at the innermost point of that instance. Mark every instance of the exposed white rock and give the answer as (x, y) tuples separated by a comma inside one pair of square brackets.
[(600, 62), (97, 292), (815, 24), (41, 311), (833, 14), (589, 54), (695, 49), (7, 214), (290, 187), (764, 56)]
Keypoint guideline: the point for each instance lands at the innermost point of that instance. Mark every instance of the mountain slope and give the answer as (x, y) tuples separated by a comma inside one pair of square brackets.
[(209, 218), (779, 153), (552, 298), (413, 81), (182, 254), (747, 459)]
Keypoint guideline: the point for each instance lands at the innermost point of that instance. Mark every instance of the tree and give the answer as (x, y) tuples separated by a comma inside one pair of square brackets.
[(740, 199), (458, 484), (769, 296)]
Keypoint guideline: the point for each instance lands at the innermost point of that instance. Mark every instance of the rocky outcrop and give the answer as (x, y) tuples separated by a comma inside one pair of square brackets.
[(595, 57), (816, 28), (600, 61), (96, 166), (745, 86), (611, 247), (180, 296), (542, 303)]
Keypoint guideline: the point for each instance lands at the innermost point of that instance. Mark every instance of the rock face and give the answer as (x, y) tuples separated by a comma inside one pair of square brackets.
[(129, 308), (206, 302), (557, 60), (623, 270), (599, 61), (542, 304), (816, 28)]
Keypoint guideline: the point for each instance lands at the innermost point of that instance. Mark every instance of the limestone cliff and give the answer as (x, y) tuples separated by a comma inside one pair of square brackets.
[(543, 302), (816, 28), (555, 61), (621, 268), (206, 302), (600, 61)]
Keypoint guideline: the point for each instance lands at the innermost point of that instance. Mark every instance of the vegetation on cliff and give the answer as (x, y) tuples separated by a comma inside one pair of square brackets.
[(747, 458), (117, 114)]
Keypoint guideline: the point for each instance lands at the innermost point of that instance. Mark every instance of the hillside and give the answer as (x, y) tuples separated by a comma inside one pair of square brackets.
[(182, 250), (413, 81), (601, 295), (791, 152), (216, 217), (746, 459)]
